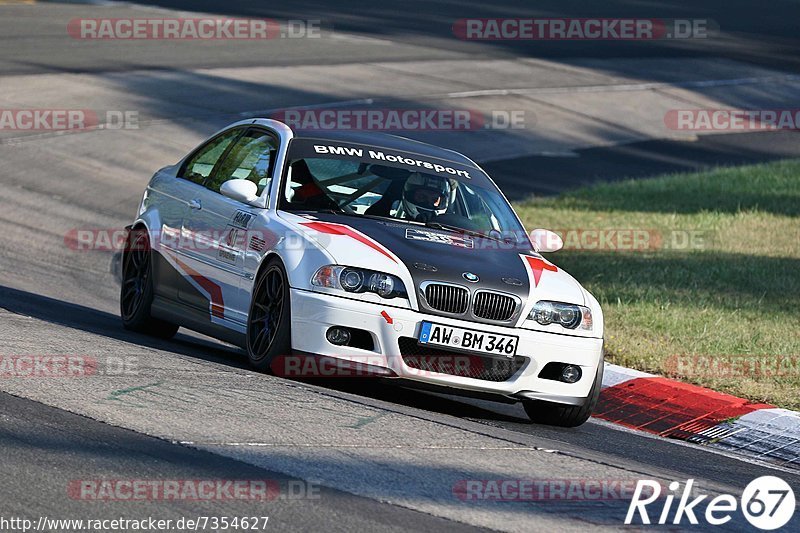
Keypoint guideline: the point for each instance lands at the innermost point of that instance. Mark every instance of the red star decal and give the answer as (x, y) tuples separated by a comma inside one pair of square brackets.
[(537, 265), (341, 229)]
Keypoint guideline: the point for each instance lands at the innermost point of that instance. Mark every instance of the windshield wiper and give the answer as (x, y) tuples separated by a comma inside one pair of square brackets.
[(373, 217), (430, 224)]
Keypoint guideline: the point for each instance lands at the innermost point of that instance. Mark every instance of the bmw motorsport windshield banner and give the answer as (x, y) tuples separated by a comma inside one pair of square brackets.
[(313, 148)]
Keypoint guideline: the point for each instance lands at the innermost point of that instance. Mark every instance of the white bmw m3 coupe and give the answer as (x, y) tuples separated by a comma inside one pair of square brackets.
[(366, 249)]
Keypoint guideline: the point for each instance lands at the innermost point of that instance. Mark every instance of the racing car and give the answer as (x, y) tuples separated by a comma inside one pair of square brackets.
[(362, 247)]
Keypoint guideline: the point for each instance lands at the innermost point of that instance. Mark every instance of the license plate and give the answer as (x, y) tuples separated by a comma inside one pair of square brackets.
[(468, 339)]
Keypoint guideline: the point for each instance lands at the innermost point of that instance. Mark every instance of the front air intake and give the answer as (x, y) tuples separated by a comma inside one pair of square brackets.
[(447, 298), (494, 306)]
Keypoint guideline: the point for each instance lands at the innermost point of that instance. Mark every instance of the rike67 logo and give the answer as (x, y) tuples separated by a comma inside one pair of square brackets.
[(767, 503)]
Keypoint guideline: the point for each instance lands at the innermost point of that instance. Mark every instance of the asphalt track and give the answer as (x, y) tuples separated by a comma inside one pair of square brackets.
[(386, 457)]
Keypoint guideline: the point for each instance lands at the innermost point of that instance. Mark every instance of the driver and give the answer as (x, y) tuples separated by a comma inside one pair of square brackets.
[(426, 197)]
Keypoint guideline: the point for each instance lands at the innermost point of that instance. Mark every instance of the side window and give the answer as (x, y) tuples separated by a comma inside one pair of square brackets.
[(249, 159), (199, 167)]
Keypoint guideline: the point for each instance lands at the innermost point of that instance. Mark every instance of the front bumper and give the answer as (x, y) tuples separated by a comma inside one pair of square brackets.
[(314, 313)]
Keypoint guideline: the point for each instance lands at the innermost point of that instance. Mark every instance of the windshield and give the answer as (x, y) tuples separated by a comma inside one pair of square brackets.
[(361, 186)]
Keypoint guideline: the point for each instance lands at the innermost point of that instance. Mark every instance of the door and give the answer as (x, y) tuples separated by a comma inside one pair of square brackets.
[(217, 227), (172, 194)]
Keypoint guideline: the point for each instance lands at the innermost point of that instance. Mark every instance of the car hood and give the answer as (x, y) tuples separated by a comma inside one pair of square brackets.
[(441, 256)]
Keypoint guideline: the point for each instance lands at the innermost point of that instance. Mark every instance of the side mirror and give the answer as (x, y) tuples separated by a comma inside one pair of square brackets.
[(545, 240), (241, 190)]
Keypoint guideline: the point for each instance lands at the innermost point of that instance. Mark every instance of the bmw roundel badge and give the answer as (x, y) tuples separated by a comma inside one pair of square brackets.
[(472, 278)]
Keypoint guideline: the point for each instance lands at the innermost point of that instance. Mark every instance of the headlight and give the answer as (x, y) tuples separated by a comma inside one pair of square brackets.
[(568, 316), (352, 280), (358, 280)]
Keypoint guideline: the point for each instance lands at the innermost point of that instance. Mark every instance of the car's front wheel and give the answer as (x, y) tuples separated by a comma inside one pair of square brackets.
[(555, 414), (136, 293), (269, 321)]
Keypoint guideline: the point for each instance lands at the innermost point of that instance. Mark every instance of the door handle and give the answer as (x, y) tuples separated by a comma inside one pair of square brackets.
[(196, 204)]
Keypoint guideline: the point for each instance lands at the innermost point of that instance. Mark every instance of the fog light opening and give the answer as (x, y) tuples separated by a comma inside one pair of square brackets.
[(338, 336), (571, 374)]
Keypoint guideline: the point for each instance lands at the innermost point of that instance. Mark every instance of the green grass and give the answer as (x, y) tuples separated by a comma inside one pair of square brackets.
[(732, 298)]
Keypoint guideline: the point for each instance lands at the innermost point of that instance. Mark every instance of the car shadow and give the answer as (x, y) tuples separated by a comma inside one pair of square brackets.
[(97, 322), (108, 325)]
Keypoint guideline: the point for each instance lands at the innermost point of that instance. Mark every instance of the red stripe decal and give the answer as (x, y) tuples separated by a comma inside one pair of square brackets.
[(214, 290), (537, 265), (340, 229), (669, 408)]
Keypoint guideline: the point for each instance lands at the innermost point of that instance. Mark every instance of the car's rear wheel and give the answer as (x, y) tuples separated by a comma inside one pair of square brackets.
[(269, 322), (555, 414), (136, 293)]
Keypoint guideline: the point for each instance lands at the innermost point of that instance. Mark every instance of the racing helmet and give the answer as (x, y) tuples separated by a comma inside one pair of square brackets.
[(426, 196)]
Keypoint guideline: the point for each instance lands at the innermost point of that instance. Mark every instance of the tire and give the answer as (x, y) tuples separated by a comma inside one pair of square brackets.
[(269, 319), (136, 291), (555, 414)]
